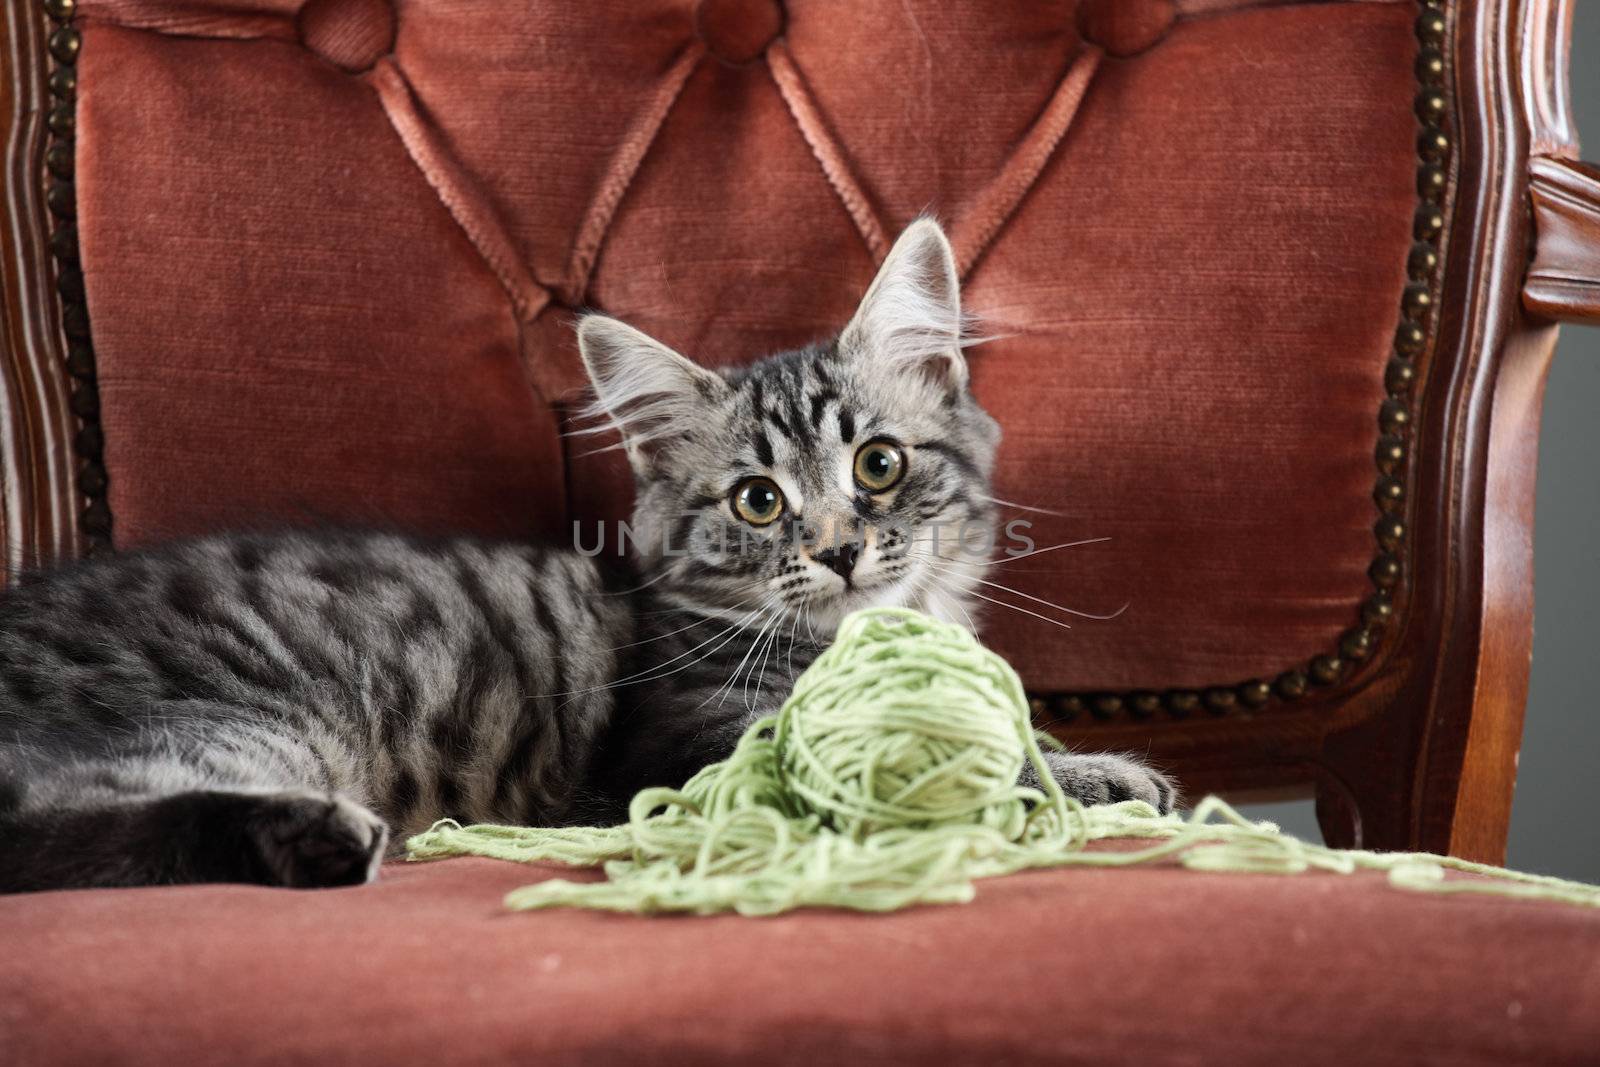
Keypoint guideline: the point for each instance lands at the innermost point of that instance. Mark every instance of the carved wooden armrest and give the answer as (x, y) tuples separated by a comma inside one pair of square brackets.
[(1564, 278)]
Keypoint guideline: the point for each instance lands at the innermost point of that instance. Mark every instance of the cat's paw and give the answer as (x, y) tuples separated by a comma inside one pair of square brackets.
[(1095, 778), (314, 841)]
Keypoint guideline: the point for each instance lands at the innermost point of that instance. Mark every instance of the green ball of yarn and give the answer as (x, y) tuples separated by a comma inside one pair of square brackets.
[(905, 723)]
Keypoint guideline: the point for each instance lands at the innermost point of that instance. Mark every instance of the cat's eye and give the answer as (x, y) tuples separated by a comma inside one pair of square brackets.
[(758, 501), (879, 465)]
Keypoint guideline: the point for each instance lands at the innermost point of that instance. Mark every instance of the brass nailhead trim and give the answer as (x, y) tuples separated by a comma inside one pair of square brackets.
[(1430, 67), (1428, 223), (1105, 706), (64, 45), (1433, 144), (61, 197), (1385, 571), (1291, 685), (1390, 453), (1392, 456), (1409, 338), (1399, 376), (64, 243), (61, 201), (1390, 493), (1390, 531), (1180, 702), (1255, 693), (69, 283), (1377, 609), (64, 83), (1422, 261), (1394, 416), (1356, 644), (1144, 704), (1431, 26), (1325, 669), (58, 160)]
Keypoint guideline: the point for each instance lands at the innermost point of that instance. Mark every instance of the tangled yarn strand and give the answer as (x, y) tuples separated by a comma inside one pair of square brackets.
[(889, 778)]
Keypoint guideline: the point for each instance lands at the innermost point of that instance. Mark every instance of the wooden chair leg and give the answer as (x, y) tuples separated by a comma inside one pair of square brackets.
[(1375, 792), (1364, 791)]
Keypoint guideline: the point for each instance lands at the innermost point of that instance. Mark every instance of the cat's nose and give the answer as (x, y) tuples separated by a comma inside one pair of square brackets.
[(840, 560)]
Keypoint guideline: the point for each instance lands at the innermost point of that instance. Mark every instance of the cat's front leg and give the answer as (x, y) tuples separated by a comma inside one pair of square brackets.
[(1099, 778)]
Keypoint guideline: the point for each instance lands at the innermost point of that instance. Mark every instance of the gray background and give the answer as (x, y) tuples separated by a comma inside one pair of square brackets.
[(1560, 766)]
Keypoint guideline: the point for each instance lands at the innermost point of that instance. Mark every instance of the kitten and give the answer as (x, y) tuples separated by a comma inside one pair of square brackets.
[(268, 709)]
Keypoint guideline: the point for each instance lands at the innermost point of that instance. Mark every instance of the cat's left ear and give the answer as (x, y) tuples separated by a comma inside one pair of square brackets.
[(910, 319)]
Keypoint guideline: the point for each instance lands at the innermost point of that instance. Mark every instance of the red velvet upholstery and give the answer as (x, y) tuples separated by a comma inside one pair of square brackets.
[(330, 280), (1152, 966)]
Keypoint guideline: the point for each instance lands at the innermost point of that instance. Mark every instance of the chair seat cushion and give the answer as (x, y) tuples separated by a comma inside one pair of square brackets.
[(1149, 965)]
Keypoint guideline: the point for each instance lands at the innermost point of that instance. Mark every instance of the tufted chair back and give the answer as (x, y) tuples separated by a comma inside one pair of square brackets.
[(1253, 266)]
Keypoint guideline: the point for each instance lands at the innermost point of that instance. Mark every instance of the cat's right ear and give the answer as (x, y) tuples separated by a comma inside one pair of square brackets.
[(643, 388)]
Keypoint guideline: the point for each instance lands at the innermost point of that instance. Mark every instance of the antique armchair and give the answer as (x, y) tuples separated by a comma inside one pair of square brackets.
[(1276, 285)]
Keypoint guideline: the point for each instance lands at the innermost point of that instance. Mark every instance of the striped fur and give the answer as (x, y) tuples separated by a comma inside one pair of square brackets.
[(272, 708)]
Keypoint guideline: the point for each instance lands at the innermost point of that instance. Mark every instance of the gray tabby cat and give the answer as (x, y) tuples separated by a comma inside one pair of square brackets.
[(269, 709)]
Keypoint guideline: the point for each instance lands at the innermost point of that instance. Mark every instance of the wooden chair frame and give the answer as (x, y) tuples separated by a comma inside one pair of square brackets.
[(1408, 731)]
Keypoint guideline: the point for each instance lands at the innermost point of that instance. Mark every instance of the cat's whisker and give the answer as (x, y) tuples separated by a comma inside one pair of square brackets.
[(765, 640), (661, 637), (771, 643), (1019, 507), (999, 603), (642, 585), (965, 614), (648, 675), (1051, 548), (733, 676), (701, 621), (754, 654), (1035, 599), (794, 630)]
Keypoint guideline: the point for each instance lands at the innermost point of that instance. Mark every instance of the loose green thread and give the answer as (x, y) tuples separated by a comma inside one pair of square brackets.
[(889, 778)]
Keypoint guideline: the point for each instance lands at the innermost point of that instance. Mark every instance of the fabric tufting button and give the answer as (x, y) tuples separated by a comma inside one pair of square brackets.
[(738, 31), (1125, 27), (350, 34)]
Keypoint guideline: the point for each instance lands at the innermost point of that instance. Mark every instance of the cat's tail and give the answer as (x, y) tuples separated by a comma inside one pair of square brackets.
[(294, 839)]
